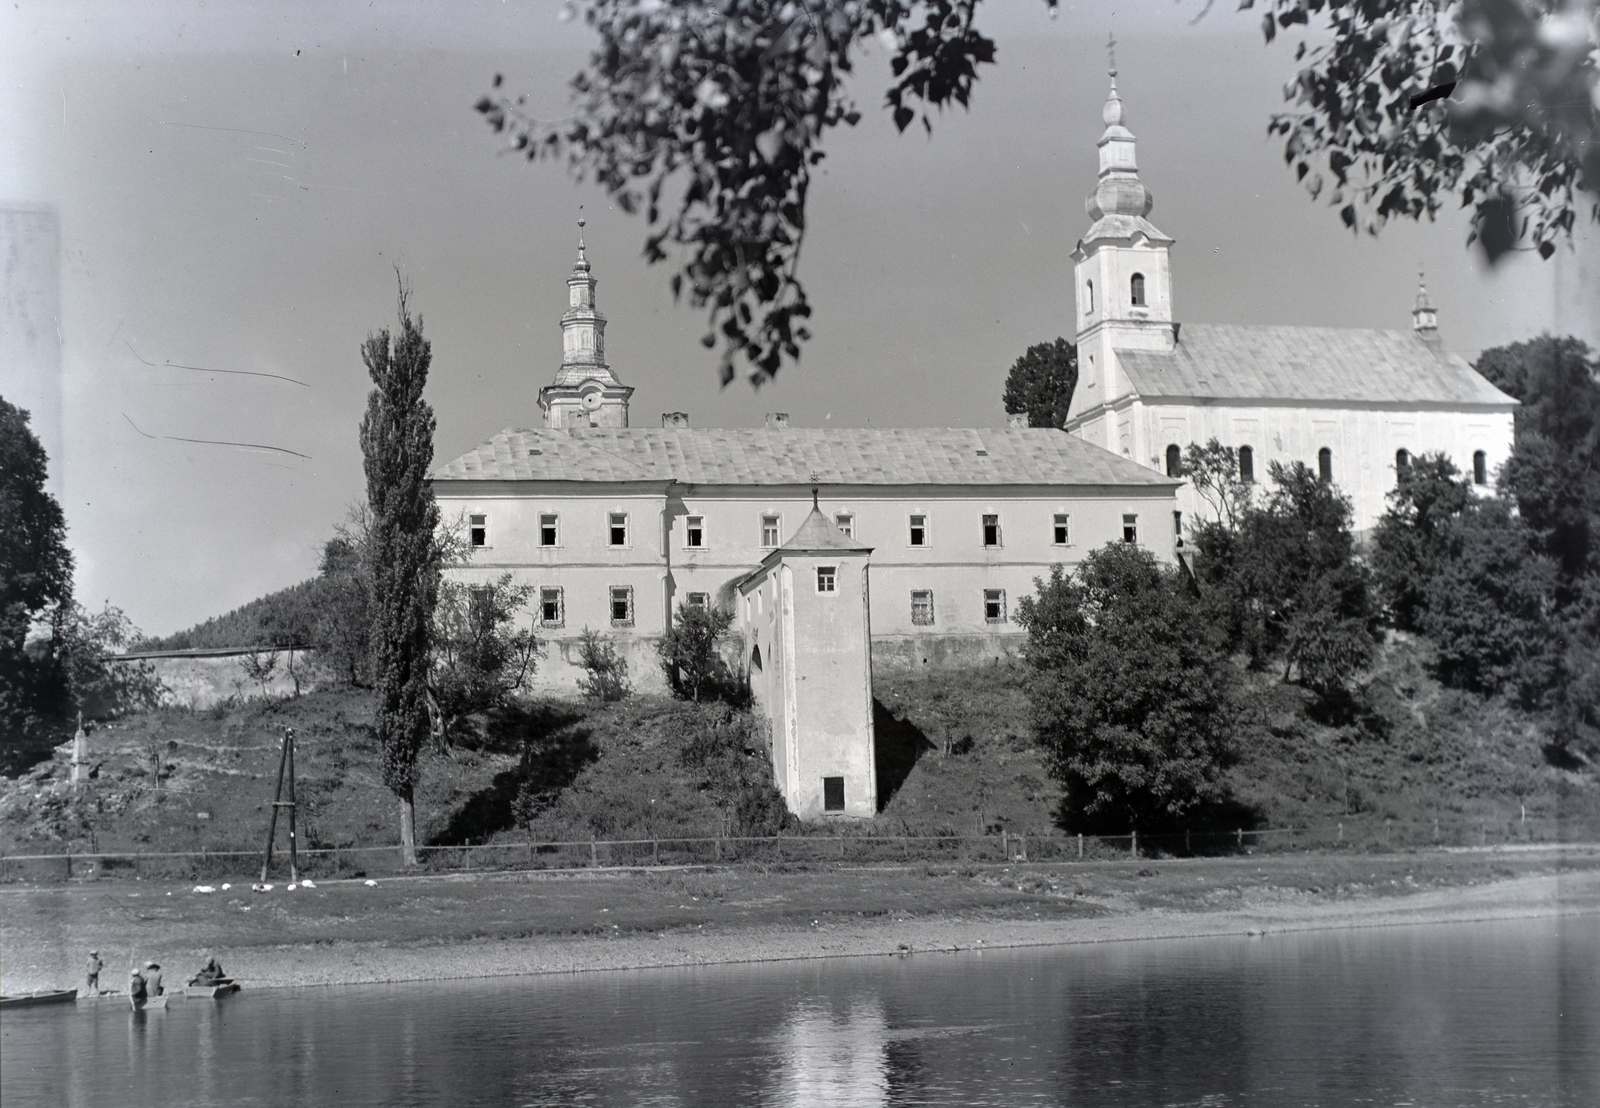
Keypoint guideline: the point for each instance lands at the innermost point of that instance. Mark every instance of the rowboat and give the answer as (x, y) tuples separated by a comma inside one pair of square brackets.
[(216, 989), (39, 996), (147, 1002)]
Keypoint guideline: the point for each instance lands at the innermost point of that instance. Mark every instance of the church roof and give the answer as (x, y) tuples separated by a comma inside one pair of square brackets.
[(799, 456), (1312, 364)]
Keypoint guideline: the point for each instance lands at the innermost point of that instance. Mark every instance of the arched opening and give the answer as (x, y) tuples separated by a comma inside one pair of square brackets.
[(1325, 465), (1247, 465), (755, 660), (1480, 468), (1174, 460), (1089, 297), (1136, 287), (1402, 464)]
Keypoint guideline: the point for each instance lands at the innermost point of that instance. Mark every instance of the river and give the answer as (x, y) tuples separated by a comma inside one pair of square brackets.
[(1445, 1015)]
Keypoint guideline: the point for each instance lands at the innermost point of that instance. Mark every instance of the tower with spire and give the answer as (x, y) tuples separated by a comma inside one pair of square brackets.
[(585, 392), (1424, 317), (1122, 272)]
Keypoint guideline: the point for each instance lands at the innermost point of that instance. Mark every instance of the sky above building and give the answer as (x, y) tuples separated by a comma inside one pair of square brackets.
[(235, 185)]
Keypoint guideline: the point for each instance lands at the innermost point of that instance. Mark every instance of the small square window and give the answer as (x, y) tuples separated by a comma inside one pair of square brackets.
[(551, 610), (694, 533), (833, 794), (922, 607), (1130, 528), (991, 530), (478, 530), (622, 606), (547, 529), (919, 530), (1062, 532), (619, 528), (846, 522), (994, 605), (700, 600), (826, 578)]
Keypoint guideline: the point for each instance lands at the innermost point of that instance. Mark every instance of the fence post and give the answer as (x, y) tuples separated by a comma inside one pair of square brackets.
[(655, 852), (1022, 848), (69, 863), (1291, 838), (1239, 837), (1341, 832), (719, 846), (1133, 843), (1080, 845), (1005, 845), (594, 854), (1186, 849)]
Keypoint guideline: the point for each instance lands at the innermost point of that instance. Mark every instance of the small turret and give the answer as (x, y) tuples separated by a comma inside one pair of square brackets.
[(585, 392), (1424, 317)]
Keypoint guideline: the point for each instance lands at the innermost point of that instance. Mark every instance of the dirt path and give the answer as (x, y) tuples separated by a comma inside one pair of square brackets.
[(412, 929)]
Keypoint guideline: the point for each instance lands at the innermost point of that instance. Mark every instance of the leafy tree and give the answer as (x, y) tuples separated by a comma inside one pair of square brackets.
[(342, 633), (1130, 691), (402, 555), (35, 577), (1412, 539), (710, 118), (1286, 584), (1041, 383), (1402, 106), (80, 642), (1213, 470), (480, 656), (689, 653), (605, 671)]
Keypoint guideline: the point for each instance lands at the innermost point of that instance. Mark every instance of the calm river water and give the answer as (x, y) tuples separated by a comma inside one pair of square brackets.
[(1464, 1014)]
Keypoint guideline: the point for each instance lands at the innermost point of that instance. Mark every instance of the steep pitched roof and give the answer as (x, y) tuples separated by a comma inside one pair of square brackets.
[(818, 532), (798, 456), (1317, 364)]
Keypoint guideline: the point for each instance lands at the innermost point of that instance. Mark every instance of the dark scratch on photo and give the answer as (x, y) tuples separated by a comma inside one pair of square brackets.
[(203, 369), (217, 442)]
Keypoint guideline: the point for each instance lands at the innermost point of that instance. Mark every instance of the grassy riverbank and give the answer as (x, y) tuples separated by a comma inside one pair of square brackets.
[(430, 928)]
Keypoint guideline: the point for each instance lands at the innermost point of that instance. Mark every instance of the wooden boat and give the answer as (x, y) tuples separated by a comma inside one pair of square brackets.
[(147, 1002), (39, 996), (213, 990)]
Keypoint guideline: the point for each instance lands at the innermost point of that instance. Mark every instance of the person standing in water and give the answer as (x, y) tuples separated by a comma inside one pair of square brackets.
[(137, 990), (91, 975), (152, 978)]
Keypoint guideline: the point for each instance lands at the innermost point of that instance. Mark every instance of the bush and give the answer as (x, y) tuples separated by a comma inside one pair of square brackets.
[(605, 671), (690, 656)]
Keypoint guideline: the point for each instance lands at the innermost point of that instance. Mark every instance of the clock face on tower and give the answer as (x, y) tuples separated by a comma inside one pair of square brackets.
[(591, 400)]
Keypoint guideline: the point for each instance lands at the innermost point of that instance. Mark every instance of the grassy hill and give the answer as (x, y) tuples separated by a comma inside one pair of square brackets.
[(284, 617)]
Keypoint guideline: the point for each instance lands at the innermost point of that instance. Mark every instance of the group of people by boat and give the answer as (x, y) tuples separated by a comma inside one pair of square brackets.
[(145, 986)]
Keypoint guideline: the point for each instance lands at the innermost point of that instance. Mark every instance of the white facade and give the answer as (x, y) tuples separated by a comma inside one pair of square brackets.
[(1352, 405)]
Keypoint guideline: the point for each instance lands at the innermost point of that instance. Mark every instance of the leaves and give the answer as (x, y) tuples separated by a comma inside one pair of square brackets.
[(1041, 383)]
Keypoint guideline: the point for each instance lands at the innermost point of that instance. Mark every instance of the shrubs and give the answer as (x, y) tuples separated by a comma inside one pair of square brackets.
[(605, 671), (690, 656)]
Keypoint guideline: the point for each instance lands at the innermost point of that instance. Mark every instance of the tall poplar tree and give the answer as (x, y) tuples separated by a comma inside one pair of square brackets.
[(402, 552)]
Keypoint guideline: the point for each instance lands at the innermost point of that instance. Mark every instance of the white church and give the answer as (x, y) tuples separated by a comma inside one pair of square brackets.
[(839, 549)]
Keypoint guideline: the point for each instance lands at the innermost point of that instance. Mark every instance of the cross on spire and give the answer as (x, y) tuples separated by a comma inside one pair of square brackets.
[(1111, 53)]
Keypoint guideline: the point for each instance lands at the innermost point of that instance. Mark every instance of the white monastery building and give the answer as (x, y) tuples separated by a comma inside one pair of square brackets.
[(1353, 405)]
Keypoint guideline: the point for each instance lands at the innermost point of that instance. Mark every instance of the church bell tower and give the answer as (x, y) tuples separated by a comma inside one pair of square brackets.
[(1122, 273), (585, 392)]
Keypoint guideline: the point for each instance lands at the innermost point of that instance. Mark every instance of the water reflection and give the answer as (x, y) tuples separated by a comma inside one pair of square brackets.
[(1452, 1015)]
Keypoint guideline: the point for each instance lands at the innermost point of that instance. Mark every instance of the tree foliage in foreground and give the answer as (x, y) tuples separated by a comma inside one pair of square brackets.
[(1041, 383), (480, 656), (689, 651), (402, 554), (1285, 582), (709, 117), (1130, 691)]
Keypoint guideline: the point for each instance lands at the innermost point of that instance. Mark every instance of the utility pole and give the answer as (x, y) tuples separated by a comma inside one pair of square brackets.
[(285, 764)]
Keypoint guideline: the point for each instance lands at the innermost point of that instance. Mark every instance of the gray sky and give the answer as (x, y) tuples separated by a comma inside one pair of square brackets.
[(235, 183)]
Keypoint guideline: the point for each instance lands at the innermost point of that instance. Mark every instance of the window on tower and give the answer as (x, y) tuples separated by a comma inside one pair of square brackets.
[(1137, 289), (1325, 466), (1247, 465), (1088, 305), (1480, 468), (1174, 460)]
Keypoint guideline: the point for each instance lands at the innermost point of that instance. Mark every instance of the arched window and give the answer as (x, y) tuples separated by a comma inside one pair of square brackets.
[(1089, 298), (1480, 468), (1247, 465), (755, 660), (1325, 465), (1402, 464), (1174, 461), (1137, 288)]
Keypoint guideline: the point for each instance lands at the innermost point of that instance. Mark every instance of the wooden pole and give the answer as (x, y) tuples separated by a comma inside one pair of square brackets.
[(294, 853), (272, 821)]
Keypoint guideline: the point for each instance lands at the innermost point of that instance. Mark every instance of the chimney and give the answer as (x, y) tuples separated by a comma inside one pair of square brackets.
[(777, 419), (1016, 420), (674, 419)]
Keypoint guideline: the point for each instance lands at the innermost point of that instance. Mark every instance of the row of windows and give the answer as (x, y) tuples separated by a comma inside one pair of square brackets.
[(1247, 464), (1135, 292), (918, 533), (553, 613)]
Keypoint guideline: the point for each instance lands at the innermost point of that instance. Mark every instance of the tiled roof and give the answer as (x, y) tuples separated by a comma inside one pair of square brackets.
[(798, 456), (1237, 362)]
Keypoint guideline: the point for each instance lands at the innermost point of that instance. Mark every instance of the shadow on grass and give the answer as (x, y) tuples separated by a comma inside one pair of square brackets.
[(554, 747), (1207, 829), (898, 744)]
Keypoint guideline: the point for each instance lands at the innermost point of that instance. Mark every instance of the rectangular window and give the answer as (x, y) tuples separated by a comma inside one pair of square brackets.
[(551, 610), (825, 578), (991, 530), (1063, 533), (622, 606), (700, 600), (922, 607), (919, 530), (619, 528), (694, 534), (478, 530), (994, 605), (833, 794), (1130, 528), (771, 529), (846, 522), (547, 529)]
